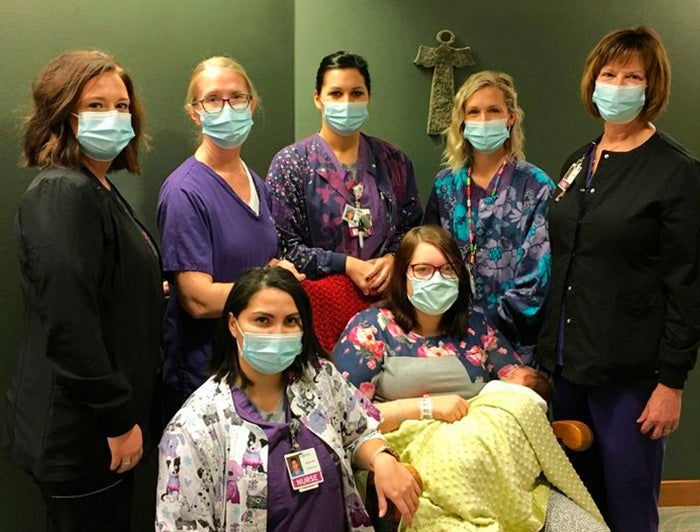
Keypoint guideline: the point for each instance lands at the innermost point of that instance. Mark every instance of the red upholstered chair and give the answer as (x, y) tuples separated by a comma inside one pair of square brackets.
[(334, 300)]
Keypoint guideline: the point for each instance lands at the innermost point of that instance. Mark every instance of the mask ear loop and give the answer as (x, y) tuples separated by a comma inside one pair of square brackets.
[(240, 347)]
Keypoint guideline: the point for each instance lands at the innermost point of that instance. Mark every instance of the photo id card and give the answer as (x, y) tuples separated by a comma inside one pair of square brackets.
[(304, 470)]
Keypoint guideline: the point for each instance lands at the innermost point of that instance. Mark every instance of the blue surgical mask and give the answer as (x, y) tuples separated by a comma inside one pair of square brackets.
[(434, 296), (619, 104), (488, 136), (345, 117), (227, 128), (103, 135), (270, 353)]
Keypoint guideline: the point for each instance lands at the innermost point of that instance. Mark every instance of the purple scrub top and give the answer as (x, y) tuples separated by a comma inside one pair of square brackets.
[(318, 509), (204, 227)]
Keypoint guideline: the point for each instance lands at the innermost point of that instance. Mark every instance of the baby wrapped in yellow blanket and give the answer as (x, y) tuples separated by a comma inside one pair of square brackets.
[(491, 470)]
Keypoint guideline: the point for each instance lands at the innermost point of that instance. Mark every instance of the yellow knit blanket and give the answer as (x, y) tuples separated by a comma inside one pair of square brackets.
[(491, 470)]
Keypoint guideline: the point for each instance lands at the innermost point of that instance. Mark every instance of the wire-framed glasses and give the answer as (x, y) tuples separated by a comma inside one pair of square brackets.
[(214, 104), (422, 270)]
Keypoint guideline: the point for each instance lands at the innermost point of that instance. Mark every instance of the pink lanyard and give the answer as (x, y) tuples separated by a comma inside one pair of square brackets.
[(470, 219)]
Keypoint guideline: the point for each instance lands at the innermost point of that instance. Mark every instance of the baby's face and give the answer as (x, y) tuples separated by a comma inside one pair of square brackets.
[(518, 375)]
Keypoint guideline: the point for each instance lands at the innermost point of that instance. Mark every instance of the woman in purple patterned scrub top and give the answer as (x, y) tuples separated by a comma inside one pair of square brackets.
[(422, 352), (214, 217), (494, 204), (274, 398), (342, 200)]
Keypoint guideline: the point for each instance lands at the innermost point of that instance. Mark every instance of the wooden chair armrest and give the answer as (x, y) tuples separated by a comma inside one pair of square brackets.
[(574, 435), (414, 472)]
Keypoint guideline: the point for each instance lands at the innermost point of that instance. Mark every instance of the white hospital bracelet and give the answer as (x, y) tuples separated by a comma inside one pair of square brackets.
[(426, 407)]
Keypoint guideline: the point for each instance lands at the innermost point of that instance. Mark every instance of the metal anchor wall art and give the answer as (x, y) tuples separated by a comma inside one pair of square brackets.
[(444, 59)]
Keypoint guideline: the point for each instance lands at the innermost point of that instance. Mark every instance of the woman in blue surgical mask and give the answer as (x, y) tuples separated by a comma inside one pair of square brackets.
[(274, 399), (214, 217), (622, 323), (424, 349), (79, 413), (342, 200), (494, 204)]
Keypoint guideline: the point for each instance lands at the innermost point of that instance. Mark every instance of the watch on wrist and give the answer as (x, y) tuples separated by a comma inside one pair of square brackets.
[(383, 449)]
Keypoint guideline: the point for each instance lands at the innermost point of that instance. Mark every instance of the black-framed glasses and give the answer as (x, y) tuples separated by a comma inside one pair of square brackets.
[(214, 104), (421, 270)]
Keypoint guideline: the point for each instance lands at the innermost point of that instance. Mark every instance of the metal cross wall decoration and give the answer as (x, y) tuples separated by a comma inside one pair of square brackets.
[(444, 59)]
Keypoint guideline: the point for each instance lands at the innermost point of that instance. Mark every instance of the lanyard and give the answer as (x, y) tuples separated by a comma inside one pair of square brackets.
[(470, 219), (589, 172), (294, 426)]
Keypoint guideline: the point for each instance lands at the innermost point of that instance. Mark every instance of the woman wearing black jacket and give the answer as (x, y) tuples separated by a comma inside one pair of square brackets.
[(80, 403), (622, 320)]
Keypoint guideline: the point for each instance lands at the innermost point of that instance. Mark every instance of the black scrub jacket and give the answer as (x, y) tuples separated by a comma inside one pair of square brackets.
[(625, 267), (90, 350)]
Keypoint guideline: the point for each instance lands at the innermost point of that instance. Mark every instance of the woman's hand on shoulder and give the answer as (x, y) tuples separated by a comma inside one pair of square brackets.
[(449, 407), (285, 264), (393, 481), (126, 450)]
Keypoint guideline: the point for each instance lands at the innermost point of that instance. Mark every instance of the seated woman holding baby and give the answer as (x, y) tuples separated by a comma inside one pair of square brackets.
[(420, 355)]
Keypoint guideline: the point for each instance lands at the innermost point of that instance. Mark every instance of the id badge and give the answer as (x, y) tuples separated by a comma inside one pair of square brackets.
[(365, 222), (351, 216), (570, 176), (303, 469)]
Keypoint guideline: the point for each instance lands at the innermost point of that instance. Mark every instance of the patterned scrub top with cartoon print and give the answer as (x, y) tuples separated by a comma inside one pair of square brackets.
[(214, 460), (387, 363)]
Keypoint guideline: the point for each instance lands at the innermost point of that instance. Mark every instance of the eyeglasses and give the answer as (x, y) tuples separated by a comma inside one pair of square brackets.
[(214, 104), (426, 271)]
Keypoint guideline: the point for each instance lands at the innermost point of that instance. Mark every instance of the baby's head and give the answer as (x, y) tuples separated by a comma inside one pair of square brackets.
[(533, 379)]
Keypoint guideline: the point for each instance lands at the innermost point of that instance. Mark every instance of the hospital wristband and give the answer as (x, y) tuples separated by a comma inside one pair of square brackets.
[(426, 407)]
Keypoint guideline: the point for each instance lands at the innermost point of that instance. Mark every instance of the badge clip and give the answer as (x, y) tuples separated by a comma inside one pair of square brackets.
[(569, 177)]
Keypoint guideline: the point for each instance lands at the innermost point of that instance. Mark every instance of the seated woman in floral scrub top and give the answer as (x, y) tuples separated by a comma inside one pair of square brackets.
[(424, 350)]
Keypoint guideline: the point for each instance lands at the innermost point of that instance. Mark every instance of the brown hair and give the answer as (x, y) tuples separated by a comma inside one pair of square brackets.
[(619, 47), (538, 382), (455, 320), (48, 137)]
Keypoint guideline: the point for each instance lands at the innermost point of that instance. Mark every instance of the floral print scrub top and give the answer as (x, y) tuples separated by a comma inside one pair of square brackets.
[(379, 357)]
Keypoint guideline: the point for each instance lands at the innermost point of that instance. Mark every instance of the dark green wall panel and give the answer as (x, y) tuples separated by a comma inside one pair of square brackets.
[(542, 44), (159, 42)]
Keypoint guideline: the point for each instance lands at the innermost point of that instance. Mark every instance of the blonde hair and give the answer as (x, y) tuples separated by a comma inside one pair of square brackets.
[(218, 61), (458, 152), (619, 47)]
